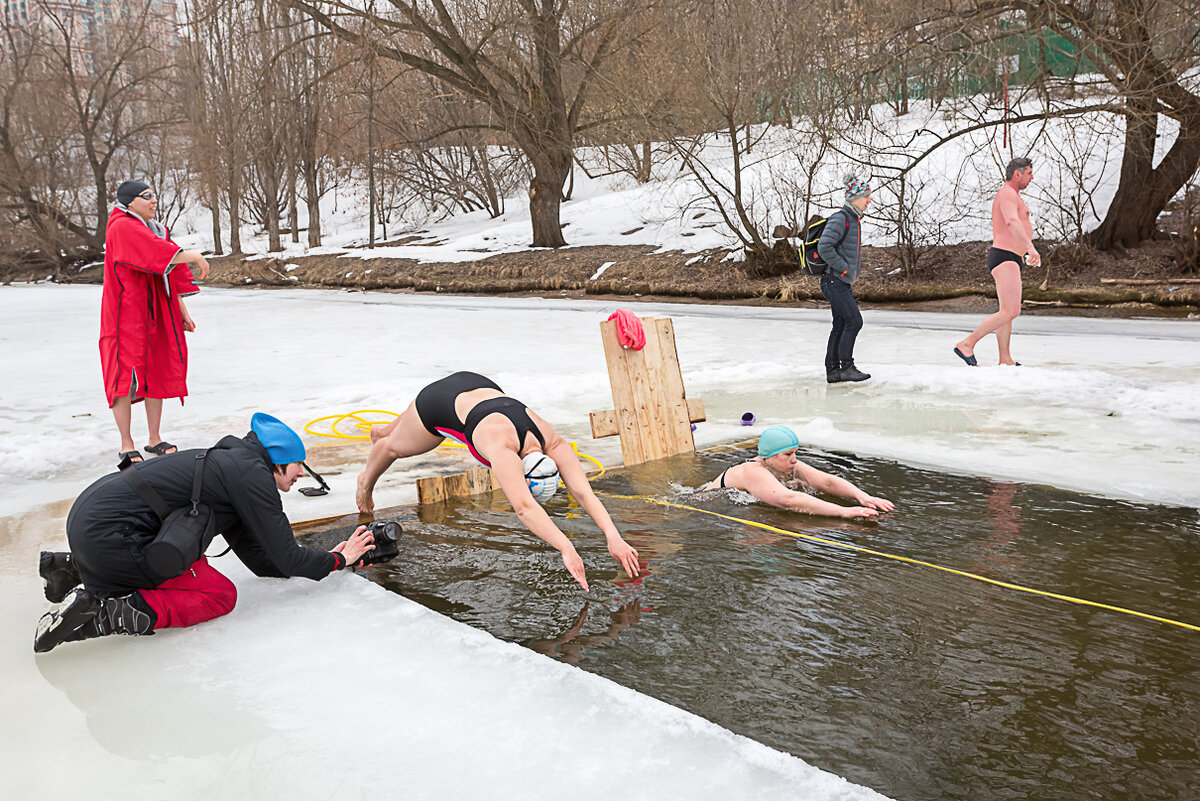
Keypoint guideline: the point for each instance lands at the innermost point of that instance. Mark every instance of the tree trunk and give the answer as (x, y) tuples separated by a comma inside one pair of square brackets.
[(1144, 191), (214, 194), (102, 200), (545, 203), (551, 161), (293, 214), (270, 209), (644, 164), (312, 200), (235, 213)]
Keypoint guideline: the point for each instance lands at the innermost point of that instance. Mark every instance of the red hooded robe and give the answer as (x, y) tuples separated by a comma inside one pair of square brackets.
[(142, 349)]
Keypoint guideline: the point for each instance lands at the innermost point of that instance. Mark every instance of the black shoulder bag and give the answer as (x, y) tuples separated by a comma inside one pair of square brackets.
[(184, 533)]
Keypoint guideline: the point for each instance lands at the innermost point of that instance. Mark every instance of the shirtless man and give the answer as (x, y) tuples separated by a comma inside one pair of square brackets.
[(777, 477), (1012, 243)]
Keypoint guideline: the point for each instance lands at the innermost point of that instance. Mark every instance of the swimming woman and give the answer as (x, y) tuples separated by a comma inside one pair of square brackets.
[(777, 477), (524, 452)]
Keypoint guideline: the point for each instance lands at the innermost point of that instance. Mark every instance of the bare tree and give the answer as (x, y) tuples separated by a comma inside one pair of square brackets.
[(41, 202), (111, 85), (1144, 50), (533, 64)]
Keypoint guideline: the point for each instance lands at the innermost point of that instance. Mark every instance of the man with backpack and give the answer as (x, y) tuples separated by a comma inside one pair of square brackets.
[(116, 580), (840, 248)]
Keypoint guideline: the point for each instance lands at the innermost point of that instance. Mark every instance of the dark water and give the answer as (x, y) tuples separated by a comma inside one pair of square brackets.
[(917, 683)]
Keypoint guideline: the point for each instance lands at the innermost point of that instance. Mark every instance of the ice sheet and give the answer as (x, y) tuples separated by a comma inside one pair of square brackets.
[(336, 689), (341, 690)]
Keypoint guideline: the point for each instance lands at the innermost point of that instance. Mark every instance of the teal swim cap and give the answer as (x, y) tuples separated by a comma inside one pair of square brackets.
[(283, 445), (775, 440)]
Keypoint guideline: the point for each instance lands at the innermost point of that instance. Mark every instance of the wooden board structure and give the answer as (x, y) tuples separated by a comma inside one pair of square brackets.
[(440, 488), (652, 413)]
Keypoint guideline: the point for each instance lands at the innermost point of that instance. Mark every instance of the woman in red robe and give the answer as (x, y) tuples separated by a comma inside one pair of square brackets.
[(143, 353)]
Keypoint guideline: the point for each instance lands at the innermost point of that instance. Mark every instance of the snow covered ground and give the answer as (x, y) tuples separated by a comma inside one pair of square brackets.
[(342, 690), (947, 196)]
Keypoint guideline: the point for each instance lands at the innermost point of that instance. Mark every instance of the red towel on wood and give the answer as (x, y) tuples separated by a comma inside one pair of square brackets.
[(629, 329)]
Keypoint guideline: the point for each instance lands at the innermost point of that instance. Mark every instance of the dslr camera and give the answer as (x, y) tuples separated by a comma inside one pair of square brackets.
[(386, 532)]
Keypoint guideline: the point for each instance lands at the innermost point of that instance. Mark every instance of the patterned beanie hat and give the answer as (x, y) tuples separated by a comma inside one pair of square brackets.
[(856, 187)]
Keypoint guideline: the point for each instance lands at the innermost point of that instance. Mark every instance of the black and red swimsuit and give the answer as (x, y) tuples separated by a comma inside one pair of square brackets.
[(435, 407)]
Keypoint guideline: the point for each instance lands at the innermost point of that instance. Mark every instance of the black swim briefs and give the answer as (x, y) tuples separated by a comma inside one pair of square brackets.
[(997, 256)]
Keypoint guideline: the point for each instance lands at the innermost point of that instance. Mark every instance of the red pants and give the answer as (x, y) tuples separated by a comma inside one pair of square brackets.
[(199, 594)]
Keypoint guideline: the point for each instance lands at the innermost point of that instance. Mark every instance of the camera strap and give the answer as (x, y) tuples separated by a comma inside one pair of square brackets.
[(155, 501)]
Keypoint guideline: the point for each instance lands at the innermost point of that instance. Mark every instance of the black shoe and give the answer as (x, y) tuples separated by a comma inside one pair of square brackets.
[(82, 616), (76, 611), (851, 373), (129, 614), (834, 376), (59, 574)]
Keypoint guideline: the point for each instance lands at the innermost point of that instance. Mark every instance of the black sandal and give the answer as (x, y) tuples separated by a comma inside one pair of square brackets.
[(132, 456), (161, 449)]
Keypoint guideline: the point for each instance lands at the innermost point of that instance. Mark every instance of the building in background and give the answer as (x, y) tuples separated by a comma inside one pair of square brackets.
[(91, 24)]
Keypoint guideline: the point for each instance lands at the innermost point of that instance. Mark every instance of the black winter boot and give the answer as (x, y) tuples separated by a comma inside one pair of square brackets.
[(129, 614), (82, 616), (833, 374), (59, 574), (77, 610), (851, 373)]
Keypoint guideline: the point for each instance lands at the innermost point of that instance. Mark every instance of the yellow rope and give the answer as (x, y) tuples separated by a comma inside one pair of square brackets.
[(361, 423), (860, 549)]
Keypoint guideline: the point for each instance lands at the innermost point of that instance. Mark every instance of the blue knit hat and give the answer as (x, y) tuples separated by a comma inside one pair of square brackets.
[(856, 187), (283, 445), (775, 440)]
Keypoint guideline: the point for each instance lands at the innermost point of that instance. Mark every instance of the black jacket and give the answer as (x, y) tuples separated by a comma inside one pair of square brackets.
[(109, 526)]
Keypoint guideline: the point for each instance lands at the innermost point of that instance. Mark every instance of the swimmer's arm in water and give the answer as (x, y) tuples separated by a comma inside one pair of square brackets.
[(833, 485), (759, 482), (506, 465), (573, 476)]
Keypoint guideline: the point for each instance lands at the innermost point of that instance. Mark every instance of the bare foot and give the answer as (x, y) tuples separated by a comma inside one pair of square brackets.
[(377, 432), (362, 495)]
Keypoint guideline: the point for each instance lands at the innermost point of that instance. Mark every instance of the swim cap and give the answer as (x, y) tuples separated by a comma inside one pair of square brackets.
[(541, 473), (775, 440), (282, 443)]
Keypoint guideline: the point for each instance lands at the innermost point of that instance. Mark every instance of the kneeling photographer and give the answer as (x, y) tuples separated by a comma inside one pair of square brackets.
[(138, 537)]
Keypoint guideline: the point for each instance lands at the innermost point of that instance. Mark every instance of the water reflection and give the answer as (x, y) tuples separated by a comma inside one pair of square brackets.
[(568, 646)]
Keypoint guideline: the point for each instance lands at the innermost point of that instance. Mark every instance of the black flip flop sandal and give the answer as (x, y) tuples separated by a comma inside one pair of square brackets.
[(161, 449), (132, 456)]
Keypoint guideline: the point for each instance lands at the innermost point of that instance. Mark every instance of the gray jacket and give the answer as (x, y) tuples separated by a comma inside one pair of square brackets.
[(841, 244)]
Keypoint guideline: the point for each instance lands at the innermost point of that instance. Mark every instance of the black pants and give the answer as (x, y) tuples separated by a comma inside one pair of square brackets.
[(847, 322)]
